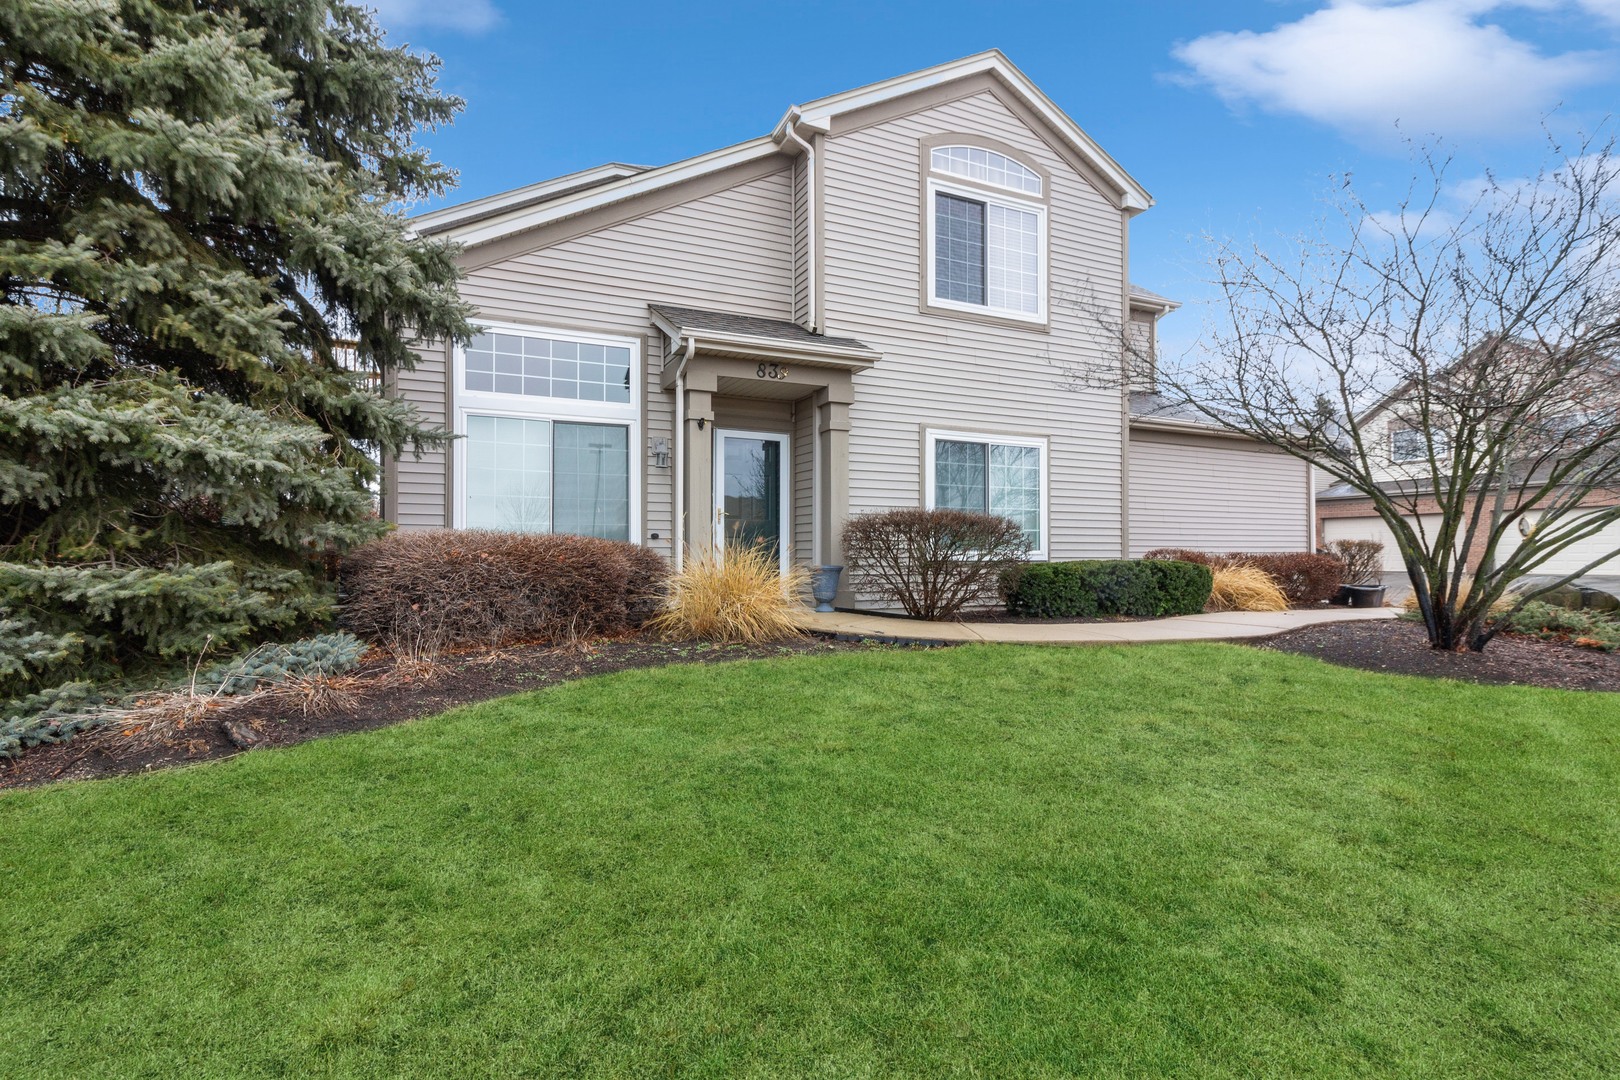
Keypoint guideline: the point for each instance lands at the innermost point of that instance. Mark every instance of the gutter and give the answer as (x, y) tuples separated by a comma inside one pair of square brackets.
[(789, 129)]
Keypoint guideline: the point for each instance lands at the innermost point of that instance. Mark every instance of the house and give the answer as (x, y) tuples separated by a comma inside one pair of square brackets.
[(1399, 444), (865, 308)]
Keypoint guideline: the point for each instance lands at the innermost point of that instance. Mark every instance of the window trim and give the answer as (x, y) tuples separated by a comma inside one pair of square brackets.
[(988, 196), (522, 407), (1422, 455), (932, 436)]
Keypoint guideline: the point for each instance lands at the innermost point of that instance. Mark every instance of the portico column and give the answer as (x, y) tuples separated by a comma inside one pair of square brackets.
[(697, 503), (832, 489)]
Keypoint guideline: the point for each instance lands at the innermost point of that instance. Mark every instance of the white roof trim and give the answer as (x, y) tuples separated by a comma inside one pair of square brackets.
[(490, 205), (521, 220), (818, 113), (483, 221)]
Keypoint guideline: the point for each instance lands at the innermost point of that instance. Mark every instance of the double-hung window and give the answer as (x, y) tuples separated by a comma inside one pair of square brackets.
[(548, 421), (986, 234), (995, 474)]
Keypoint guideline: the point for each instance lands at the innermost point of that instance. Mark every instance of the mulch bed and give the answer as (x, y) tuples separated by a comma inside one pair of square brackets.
[(381, 699), (1400, 647)]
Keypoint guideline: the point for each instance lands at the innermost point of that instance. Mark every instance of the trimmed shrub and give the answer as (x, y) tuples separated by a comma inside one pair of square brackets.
[(743, 597), (1245, 588), (418, 593), (1091, 588), (933, 563), (1305, 578)]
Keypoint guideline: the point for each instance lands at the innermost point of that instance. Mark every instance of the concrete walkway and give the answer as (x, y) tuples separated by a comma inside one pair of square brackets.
[(1224, 626)]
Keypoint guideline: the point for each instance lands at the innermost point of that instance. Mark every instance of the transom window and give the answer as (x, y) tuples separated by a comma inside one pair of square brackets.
[(536, 366), (547, 422), (985, 166), (990, 474), (986, 251)]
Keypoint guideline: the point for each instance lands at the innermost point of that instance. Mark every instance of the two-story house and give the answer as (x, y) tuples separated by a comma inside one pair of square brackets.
[(863, 309)]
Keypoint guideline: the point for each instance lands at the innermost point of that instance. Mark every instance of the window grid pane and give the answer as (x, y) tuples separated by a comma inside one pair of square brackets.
[(592, 477), (1013, 273), (959, 267), (548, 367), (986, 166), (1015, 488), (959, 475), (508, 474)]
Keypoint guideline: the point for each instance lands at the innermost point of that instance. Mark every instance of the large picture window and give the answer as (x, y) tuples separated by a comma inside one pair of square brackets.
[(547, 423), (998, 475), (986, 248)]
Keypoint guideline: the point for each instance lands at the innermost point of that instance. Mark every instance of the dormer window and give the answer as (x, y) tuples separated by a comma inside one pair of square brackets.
[(986, 234)]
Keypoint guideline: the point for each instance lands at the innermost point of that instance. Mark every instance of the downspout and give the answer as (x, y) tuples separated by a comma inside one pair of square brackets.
[(1310, 503), (789, 129), (678, 495)]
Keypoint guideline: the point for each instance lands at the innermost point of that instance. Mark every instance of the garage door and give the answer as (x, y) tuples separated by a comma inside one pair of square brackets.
[(1565, 562)]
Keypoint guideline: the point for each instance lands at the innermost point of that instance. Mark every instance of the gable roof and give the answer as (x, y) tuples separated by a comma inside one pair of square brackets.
[(494, 217)]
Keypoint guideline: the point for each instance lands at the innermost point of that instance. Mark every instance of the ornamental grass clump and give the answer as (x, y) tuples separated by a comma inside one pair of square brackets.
[(1245, 588), (740, 596)]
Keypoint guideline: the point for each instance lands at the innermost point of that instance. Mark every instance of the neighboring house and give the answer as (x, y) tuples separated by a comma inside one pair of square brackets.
[(861, 310), (1400, 453)]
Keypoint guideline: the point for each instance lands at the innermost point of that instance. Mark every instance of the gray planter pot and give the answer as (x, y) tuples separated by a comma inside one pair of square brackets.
[(1366, 595), (824, 585)]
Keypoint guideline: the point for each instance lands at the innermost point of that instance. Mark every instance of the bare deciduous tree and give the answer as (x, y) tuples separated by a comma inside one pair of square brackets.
[(1457, 359)]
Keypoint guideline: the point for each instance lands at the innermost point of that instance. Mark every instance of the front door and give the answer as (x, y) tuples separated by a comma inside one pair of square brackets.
[(751, 490)]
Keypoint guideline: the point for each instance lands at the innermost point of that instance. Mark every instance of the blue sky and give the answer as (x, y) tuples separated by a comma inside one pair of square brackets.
[(1235, 115)]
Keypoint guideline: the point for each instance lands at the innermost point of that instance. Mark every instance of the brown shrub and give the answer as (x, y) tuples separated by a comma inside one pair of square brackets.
[(419, 593), (1305, 578), (932, 563), (1363, 560)]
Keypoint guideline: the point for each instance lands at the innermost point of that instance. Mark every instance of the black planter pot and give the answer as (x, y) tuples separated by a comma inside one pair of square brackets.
[(1342, 597), (1366, 596)]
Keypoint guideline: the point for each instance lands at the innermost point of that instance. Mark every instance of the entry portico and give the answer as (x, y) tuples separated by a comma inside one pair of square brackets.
[(747, 386)]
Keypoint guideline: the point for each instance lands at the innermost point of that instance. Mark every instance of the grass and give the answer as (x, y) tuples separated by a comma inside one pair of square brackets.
[(1191, 860)]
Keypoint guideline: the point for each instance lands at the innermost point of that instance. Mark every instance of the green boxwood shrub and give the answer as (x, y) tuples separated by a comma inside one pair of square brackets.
[(1091, 588)]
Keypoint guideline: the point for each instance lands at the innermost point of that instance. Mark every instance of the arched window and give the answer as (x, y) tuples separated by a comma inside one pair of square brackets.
[(987, 167), (986, 247)]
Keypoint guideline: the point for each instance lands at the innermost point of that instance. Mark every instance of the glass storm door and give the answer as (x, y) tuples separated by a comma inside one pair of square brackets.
[(750, 490)]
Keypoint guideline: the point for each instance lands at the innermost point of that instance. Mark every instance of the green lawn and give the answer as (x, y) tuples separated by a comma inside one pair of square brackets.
[(992, 861)]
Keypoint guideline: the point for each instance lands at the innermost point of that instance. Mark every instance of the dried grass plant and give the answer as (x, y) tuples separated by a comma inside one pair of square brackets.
[(1245, 588), (740, 596)]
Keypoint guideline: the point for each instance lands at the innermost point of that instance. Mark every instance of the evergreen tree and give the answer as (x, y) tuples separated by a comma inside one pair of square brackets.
[(200, 203)]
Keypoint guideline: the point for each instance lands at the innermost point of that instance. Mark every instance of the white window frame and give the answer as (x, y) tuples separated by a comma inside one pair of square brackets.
[(988, 196), (1443, 450), (524, 407), (932, 436)]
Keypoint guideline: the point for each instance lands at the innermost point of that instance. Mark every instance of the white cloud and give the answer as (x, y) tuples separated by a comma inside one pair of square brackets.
[(471, 16), (1433, 66)]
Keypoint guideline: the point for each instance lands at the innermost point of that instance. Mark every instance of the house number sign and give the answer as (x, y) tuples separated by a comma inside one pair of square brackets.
[(771, 371)]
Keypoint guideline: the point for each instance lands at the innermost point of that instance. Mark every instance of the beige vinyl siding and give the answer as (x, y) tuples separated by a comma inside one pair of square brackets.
[(418, 498), (1215, 494), (957, 373), (801, 240), (804, 433), (728, 251), (1142, 360)]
